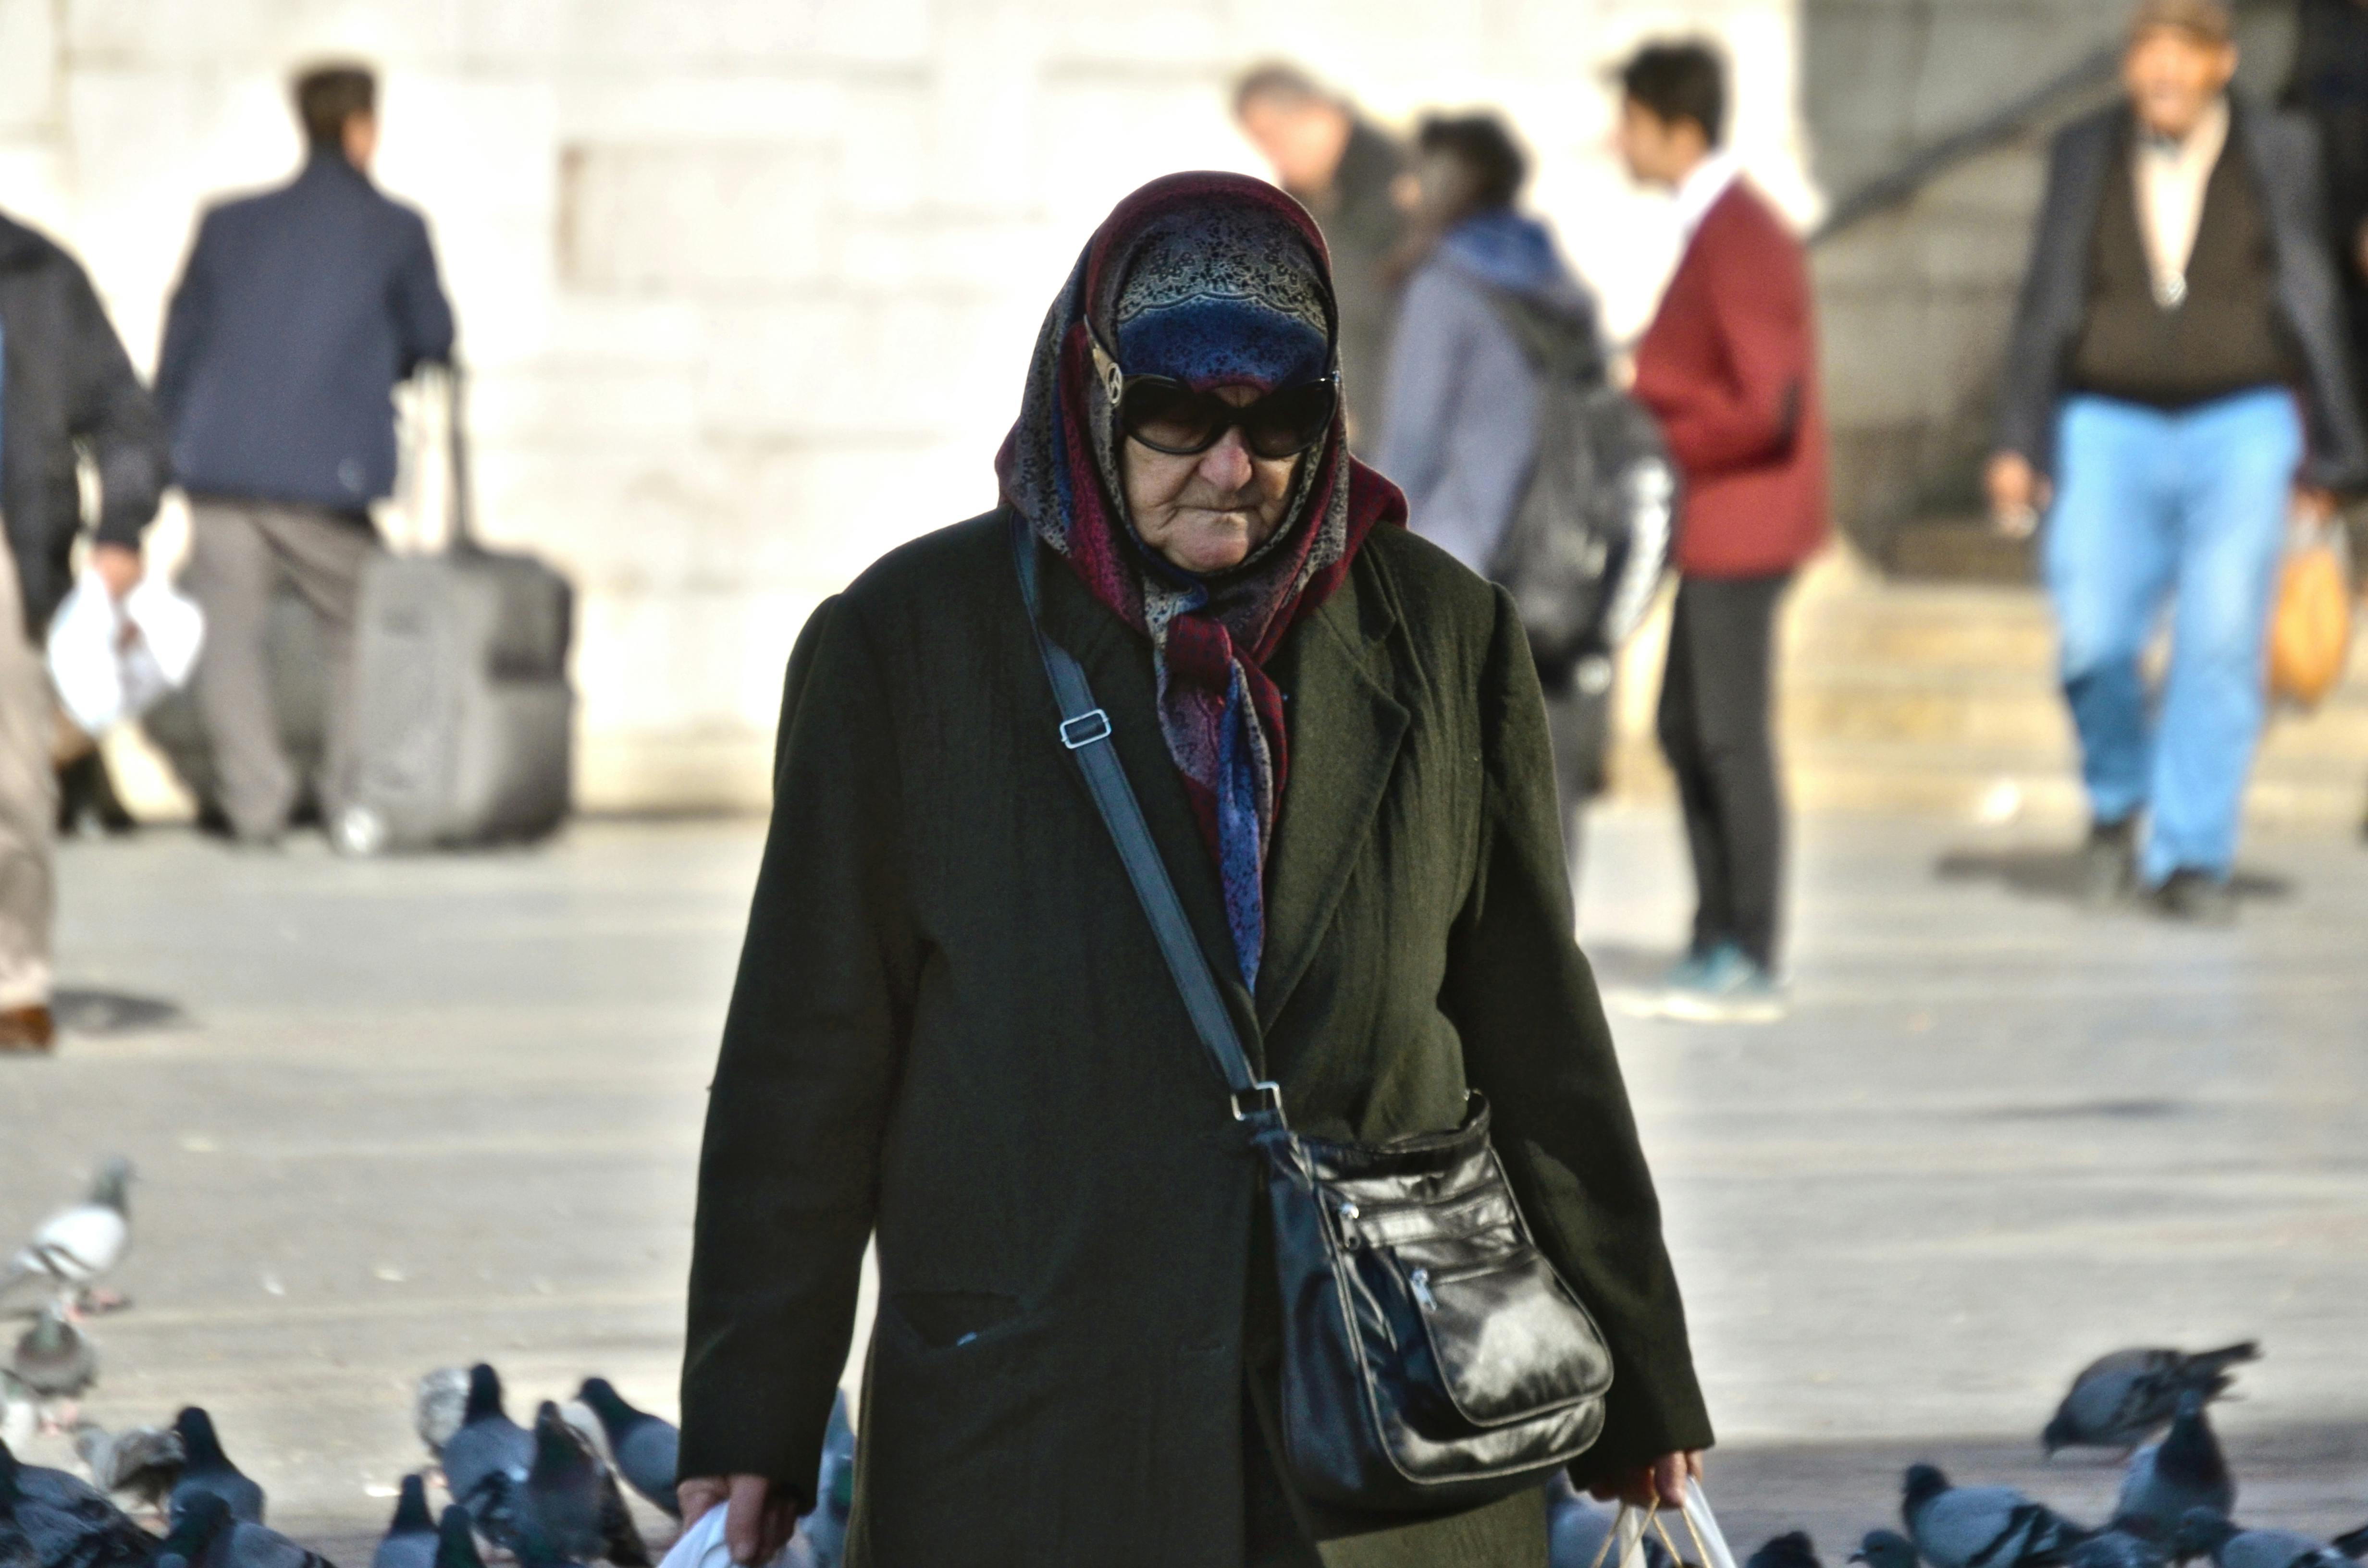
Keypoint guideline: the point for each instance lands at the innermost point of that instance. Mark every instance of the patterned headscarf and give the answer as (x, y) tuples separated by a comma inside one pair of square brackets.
[(1215, 279)]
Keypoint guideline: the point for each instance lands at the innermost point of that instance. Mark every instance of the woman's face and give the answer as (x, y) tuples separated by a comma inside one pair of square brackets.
[(1208, 511)]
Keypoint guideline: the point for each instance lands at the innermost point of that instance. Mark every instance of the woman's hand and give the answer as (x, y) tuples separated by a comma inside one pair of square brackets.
[(759, 1518), (1662, 1480)]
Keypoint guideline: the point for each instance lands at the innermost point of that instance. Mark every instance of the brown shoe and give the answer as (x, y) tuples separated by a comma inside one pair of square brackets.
[(31, 1030)]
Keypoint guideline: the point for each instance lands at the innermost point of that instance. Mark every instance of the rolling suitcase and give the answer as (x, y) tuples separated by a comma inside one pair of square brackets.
[(463, 717)]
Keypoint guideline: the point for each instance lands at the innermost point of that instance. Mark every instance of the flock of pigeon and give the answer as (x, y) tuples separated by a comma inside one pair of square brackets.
[(548, 1495), (2176, 1505)]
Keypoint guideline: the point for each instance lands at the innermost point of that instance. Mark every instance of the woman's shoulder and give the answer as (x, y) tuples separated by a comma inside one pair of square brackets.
[(1437, 597), (934, 578)]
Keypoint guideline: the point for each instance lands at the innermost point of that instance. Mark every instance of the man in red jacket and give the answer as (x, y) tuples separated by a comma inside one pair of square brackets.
[(1729, 368)]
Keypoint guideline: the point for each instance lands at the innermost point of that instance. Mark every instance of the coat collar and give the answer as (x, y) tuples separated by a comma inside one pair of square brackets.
[(1346, 730)]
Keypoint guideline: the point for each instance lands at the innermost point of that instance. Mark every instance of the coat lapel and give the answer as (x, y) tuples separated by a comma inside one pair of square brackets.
[(1346, 728)]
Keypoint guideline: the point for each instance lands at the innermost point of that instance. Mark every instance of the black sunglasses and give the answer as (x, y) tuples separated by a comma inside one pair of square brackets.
[(1167, 416)]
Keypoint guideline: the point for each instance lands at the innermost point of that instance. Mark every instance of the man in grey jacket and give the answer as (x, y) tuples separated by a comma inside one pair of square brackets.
[(2178, 380), (296, 316)]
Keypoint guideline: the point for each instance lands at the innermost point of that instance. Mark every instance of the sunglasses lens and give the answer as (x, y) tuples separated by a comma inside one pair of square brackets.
[(1171, 418), (1286, 423)]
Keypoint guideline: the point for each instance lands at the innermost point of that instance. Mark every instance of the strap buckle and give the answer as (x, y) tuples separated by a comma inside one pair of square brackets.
[(1085, 729), (1265, 1097)]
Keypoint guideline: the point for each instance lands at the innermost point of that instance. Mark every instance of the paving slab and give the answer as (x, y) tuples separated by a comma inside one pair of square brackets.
[(399, 1114)]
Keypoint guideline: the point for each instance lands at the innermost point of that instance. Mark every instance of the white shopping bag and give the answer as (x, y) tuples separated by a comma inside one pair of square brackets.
[(701, 1546), (109, 660), (1692, 1535)]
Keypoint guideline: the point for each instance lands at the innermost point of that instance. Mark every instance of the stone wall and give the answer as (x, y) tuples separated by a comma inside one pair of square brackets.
[(747, 286)]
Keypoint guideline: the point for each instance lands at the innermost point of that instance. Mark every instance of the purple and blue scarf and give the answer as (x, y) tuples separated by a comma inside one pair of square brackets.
[(1216, 280)]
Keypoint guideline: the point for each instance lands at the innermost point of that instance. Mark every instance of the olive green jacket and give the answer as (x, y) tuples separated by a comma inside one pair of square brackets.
[(953, 1032)]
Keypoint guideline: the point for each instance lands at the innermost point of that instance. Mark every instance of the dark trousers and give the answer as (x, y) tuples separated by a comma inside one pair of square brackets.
[(1714, 724)]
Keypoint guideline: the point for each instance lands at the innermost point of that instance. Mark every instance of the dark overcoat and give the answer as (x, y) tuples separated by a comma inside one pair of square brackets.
[(953, 1029)]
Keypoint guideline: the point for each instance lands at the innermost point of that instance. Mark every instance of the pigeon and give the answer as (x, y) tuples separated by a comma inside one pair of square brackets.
[(490, 1453), (1790, 1550), (2121, 1400), (2184, 1472), (410, 1536), (643, 1446), (456, 1540), (2124, 1543), (56, 1361), (2207, 1533), (2352, 1544), (51, 1519), (824, 1529), (1577, 1528), (143, 1461), (1982, 1526), (568, 1508), (204, 1535), (439, 1407), (1886, 1548), (205, 1468), (78, 1245)]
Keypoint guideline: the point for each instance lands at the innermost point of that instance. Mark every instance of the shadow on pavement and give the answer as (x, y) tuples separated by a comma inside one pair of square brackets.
[(2056, 874), (115, 1012)]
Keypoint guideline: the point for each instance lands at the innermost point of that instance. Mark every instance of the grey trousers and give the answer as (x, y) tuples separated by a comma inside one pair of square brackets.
[(239, 553), (28, 803)]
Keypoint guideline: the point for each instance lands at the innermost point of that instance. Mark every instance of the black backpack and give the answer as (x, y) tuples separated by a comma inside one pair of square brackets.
[(1587, 544)]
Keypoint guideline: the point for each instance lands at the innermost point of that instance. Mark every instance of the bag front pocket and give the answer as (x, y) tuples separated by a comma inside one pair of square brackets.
[(1509, 1339)]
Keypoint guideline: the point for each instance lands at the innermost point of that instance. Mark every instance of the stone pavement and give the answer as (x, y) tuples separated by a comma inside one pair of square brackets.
[(400, 1114)]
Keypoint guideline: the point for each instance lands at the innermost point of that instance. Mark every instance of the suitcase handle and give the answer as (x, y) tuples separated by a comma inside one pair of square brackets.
[(447, 378)]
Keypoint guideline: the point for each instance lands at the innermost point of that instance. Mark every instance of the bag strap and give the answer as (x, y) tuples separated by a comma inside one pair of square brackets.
[(1085, 731), (456, 447)]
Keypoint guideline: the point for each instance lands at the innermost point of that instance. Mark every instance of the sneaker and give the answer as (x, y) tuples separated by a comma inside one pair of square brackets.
[(2109, 863), (2198, 897), (1728, 988)]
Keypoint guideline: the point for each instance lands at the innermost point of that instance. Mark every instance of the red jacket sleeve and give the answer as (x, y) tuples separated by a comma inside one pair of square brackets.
[(1755, 288)]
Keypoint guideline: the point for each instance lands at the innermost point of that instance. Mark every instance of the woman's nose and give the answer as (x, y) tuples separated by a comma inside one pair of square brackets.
[(1228, 464)]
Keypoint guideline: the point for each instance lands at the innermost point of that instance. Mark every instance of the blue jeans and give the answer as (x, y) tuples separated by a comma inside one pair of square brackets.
[(2189, 506)]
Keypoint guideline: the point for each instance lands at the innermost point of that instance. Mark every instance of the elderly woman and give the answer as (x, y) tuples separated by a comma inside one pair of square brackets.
[(954, 1032)]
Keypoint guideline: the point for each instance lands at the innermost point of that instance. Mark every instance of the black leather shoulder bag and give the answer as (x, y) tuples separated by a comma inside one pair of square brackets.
[(1432, 1359)]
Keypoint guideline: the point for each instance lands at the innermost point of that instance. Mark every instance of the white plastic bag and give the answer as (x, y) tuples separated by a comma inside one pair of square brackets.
[(701, 1546), (111, 661), (1693, 1536)]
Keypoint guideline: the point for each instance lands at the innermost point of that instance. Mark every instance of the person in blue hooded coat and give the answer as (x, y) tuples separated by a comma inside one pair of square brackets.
[(1461, 424)]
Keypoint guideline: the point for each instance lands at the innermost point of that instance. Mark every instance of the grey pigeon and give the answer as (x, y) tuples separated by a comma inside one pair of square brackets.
[(2124, 1543), (2121, 1400), (1577, 1528), (568, 1510), (2185, 1471), (1793, 1550), (204, 1535), (1886, 1548), (51, 1519), (410, 1539), (824, 1529), (439, 1406), (207, 1471), (490, 1454), (77, 1246), (2205, 1533), (1982, 1526), (456, 1540), (143, 1461), (57, 1361), (2353, 1543), (643, 1446)]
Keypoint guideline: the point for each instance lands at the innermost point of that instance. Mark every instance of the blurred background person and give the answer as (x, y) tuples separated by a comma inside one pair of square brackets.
[(2178, 290), (1461, 426), (1346, 171), (297, 314), (2329, 85), (1729, 368), (68, 384)]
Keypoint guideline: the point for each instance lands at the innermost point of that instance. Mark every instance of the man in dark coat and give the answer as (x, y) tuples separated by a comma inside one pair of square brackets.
[(1345, 170), (954, 1036), (2179, 308), (298, 313), (66, 388)]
